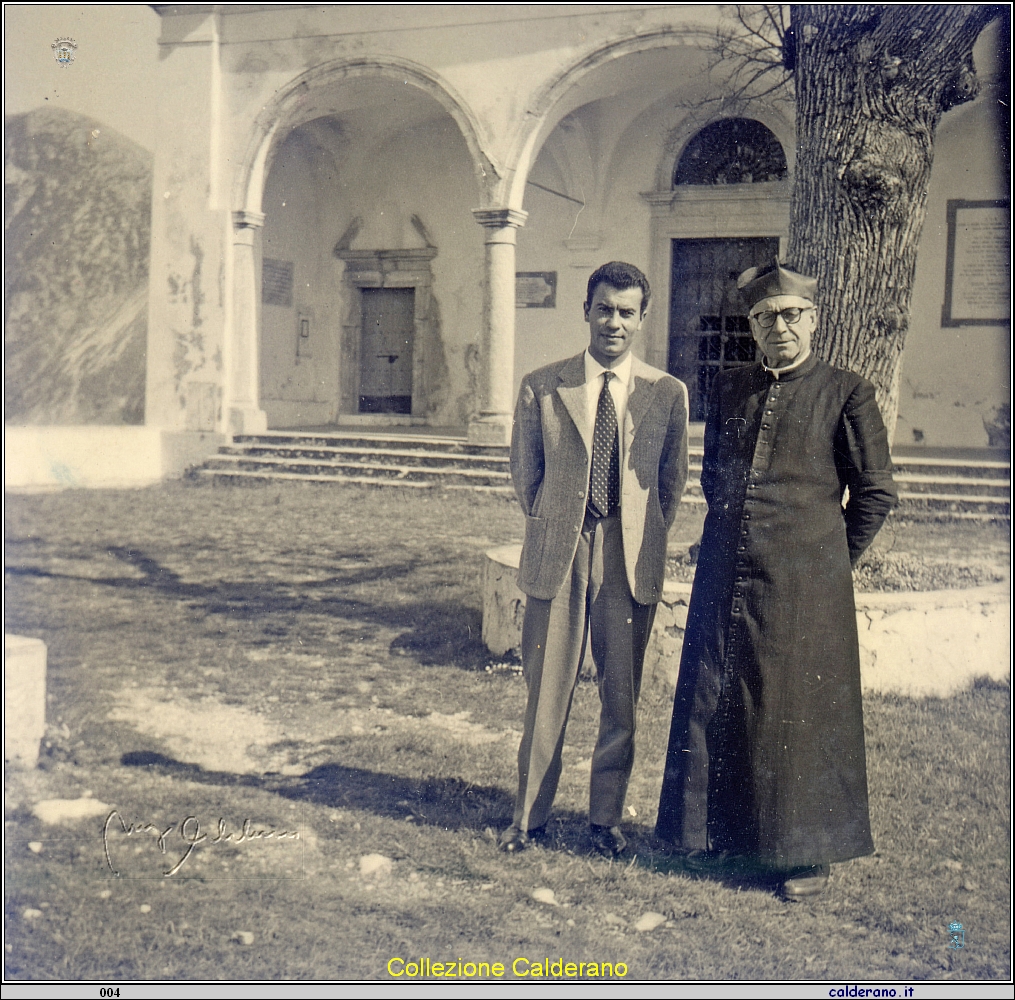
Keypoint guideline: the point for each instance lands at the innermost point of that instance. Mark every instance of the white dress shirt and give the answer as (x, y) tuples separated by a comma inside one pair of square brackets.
[(620, 388)]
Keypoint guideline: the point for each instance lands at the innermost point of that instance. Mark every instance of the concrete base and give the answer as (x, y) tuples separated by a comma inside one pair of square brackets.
[(54, 458), (920, 644), (246, 420), (24, 699), (490, 430), (283, 414), (934, 643)]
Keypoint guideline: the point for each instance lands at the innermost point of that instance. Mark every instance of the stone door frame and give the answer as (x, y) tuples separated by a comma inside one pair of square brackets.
[(385, 269)]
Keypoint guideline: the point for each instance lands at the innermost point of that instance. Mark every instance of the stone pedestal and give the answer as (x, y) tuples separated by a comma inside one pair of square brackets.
[(503, 602), (662, 658), (24, 699), (504, 612)]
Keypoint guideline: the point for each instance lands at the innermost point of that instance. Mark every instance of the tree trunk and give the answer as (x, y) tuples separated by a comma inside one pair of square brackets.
[(872, 83)]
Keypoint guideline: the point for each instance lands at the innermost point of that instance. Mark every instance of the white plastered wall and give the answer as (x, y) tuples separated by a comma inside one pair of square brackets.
[(954, 379)]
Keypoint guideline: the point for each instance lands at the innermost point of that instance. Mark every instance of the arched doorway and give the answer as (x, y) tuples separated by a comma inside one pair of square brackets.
[(708, 327)]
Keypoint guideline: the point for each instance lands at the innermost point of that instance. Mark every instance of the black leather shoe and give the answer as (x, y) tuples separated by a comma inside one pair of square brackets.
[(705, 862), (515, 839), (607, 840), (806, 882)]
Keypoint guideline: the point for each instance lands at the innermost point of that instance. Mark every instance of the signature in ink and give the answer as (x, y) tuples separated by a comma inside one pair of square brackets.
[(188, 830)]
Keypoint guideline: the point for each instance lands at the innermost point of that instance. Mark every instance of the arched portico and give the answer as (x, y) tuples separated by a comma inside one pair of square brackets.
[(596, 74), (343, 110), (594, 169)]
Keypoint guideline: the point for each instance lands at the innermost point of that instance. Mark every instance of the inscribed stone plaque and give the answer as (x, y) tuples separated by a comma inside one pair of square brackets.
[(536, 289), (277, 282), (977, 277)]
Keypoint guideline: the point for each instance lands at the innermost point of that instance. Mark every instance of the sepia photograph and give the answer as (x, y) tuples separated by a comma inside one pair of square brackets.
[(507, 494)]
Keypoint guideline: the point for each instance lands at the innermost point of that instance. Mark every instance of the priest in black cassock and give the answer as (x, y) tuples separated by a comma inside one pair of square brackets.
[(766, 754)]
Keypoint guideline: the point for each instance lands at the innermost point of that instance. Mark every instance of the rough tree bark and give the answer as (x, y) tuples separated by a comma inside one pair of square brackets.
[(872, 83)]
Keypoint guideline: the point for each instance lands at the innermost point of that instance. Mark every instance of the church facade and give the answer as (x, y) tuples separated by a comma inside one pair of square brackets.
[(386, 214)]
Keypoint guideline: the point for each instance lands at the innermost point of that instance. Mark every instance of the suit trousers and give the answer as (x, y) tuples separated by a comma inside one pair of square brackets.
[(596, 599)]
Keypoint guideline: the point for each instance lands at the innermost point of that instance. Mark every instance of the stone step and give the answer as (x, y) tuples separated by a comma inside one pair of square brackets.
[(951, 467), (328, 454), (256, 476), (963, 485), (956, 503), (375, 442), (363, 468)]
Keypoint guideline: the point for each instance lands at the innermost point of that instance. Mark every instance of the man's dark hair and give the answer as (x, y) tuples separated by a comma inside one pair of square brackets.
[(621, 276)]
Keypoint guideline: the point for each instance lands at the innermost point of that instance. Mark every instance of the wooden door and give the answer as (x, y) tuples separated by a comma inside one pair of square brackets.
[(708, 325), (386, 350)]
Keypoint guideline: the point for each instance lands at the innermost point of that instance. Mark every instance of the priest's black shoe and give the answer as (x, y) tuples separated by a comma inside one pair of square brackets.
[(806, 882), (607, 840)]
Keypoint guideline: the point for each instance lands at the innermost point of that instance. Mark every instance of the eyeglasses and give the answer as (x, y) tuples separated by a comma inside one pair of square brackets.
[(766, 320)]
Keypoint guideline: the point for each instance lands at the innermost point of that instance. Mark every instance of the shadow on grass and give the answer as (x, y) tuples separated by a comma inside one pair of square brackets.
[(453, 804), (732, 872), (447, 803), (435, 633)]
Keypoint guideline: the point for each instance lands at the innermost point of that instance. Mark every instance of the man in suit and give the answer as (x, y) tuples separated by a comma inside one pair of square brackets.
[(599, 462)]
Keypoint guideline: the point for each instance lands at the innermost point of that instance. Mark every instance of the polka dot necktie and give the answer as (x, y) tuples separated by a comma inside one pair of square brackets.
[(604, 486)]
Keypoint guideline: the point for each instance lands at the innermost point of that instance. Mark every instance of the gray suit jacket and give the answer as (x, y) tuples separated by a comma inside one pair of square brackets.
[(551, 457)]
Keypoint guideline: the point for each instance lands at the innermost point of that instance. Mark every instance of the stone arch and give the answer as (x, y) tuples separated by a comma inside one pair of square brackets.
[(540, 119), (302, 101), (284, 109)]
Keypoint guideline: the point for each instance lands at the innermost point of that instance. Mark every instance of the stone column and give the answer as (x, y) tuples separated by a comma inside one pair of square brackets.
[(493, 423), (243, 414)]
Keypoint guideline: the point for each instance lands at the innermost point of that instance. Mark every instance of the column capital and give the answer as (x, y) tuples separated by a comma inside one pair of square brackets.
[(245, 219), (500, 218)]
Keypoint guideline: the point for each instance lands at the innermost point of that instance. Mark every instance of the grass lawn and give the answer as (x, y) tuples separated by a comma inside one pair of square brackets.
[(309, 659)]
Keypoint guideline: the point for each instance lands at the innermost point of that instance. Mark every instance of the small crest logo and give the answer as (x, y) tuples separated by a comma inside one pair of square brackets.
[(63, 50), (957, 935)]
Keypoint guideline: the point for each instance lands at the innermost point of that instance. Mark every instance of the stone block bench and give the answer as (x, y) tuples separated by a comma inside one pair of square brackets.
[(920, 644), (24, 699)]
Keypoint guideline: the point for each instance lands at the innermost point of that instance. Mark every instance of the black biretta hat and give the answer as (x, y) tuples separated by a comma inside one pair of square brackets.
[(757, 283)]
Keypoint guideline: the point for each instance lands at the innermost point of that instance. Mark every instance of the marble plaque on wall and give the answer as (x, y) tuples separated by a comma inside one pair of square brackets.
[(977, 279)]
